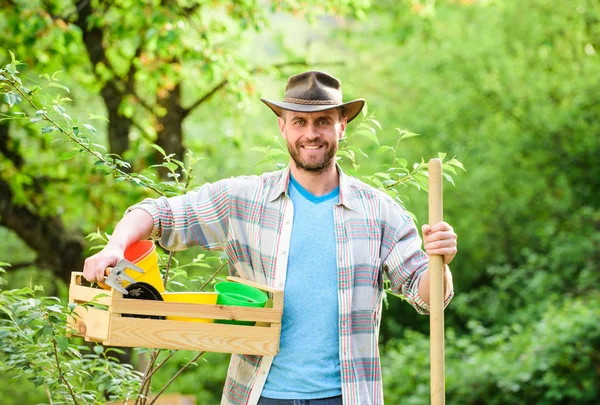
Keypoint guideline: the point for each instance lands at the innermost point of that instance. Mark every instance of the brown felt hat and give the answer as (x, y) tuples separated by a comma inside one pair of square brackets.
[(314, 91)]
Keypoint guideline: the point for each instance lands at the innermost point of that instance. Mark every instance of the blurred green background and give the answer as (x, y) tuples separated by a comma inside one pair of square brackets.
[(512, 89)]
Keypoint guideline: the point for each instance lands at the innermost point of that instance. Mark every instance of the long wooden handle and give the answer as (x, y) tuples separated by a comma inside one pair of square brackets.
[(436, 292)]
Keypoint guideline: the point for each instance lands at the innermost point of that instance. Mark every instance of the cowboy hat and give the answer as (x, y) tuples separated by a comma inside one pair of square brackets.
[(314, 91)]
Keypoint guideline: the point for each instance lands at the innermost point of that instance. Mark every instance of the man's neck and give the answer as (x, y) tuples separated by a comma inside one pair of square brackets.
[(317, 184)]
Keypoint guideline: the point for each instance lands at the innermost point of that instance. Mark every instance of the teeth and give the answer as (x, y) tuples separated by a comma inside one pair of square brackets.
[(311, 147)]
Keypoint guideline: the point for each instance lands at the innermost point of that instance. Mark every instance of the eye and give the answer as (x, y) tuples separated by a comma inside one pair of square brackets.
[(299, 121)]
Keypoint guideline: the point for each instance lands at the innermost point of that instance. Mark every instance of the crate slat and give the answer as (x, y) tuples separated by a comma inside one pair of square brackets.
[(78, 293), (148, 307), (131, 332)]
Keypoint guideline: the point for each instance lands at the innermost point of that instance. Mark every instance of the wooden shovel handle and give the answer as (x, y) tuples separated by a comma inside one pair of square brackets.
[(436, 292)]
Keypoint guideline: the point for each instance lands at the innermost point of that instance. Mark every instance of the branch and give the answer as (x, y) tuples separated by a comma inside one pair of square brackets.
[(187, 111), (21, 265), (175, 376), (73, 138), (213, 276), (279, 66), (60, 372)]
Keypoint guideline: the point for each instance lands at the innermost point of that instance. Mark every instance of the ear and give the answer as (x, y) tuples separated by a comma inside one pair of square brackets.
[(281, 123), (343, 124)]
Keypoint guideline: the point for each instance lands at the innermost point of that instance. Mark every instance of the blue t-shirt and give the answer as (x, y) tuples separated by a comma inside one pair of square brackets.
[(308, 365)]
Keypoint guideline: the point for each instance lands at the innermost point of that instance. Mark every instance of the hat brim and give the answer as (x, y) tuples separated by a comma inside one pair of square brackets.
[(351, 108)]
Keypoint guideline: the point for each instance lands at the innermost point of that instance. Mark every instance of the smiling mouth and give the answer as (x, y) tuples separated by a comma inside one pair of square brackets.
[(312, 147)]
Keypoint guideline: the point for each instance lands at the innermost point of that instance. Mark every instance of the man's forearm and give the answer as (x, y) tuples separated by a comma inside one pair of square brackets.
[(424, 284), (136, 225)]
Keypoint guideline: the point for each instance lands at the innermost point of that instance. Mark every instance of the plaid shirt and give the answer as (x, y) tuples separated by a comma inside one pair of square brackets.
[(251, 219)]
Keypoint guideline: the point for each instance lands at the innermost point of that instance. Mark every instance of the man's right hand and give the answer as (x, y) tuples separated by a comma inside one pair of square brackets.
[(95, 266), (134, 226)]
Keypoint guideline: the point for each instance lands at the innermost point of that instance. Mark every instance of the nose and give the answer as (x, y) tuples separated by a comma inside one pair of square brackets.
[(312, 131)]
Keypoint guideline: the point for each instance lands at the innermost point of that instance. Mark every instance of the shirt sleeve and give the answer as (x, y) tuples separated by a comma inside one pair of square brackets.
[(200, 217), (405, 264)]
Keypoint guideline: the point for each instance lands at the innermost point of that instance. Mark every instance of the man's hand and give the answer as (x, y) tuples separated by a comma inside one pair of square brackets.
[(95, 266), (440, 239), (134, 226)]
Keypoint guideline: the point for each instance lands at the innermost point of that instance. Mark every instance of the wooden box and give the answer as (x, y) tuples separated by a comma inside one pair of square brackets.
[(99, 317)]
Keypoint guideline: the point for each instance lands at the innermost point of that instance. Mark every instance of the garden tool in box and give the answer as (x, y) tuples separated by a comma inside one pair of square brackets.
[(117, 274)]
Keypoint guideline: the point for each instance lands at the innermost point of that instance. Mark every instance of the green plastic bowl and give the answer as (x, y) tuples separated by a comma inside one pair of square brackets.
[(230, 293)]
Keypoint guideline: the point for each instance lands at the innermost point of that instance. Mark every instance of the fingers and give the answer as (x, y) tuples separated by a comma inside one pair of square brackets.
[(95, 266), (440, 239)]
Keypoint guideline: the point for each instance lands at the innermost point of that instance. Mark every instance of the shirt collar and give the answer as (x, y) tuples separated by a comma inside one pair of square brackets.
[(282, 184)]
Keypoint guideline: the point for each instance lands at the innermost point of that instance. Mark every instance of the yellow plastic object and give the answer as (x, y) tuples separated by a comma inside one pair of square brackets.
[(190, 297), (143, 254)]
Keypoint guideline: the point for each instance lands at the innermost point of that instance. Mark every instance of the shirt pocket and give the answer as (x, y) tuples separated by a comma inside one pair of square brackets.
[(367, 283)]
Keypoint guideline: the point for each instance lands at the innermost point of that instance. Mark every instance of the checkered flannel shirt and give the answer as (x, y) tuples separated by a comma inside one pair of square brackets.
[(250, 218)]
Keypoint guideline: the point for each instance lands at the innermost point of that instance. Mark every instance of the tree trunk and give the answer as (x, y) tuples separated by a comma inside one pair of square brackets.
[(119, 126), (170, 133), (58, 249)]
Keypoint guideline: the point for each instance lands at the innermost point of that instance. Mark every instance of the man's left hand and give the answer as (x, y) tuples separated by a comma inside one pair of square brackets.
[(440, 239)]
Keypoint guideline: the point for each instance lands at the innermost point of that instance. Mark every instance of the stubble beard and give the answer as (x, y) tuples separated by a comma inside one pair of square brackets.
[(315, 166)]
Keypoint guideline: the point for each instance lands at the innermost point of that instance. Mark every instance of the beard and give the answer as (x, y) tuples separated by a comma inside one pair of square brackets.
[(316, 163)]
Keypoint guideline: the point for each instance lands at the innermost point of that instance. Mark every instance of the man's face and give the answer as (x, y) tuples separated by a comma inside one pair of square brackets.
[(312, 138)]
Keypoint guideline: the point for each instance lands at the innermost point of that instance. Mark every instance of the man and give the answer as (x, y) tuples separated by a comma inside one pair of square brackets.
[(325, 238)]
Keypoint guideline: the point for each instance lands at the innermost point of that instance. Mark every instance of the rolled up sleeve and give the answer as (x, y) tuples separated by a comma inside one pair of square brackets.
[(405, 265), (199, 217)]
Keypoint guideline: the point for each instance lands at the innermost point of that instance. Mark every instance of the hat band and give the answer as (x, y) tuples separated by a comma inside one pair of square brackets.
[(319, 102)]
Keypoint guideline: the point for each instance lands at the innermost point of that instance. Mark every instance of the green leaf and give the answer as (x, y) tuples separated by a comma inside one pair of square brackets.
[(63, 343), (449, 178), (97, 117), (442, 155), (405, 134), (158, 148), (45, 76), (33, 120), (383, 149), (456, 163), (60, 86), (40, 112), (402, 162), (55, 73), (10, 98), (447, 167), (90, 128), (2, 78), (375, 122), (68, 155), (368, 134), (98, 349), (48, 129)]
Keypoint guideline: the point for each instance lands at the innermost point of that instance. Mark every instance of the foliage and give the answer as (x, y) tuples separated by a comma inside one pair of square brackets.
[(41, 352), (551, 361)]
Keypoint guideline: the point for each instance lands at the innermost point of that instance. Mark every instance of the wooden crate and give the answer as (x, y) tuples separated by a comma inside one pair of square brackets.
[(98, 317)]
